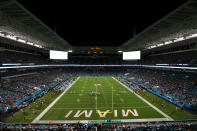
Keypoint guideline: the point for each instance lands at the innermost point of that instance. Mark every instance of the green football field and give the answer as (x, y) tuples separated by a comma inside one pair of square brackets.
[(99, 98)]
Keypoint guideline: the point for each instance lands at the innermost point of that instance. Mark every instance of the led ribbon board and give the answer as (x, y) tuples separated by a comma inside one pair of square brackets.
[(78, 65)]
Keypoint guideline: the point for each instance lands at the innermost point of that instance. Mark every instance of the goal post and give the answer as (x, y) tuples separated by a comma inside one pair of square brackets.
[(111, 98)]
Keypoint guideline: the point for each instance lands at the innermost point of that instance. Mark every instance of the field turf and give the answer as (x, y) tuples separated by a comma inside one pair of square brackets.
[(81, 97)]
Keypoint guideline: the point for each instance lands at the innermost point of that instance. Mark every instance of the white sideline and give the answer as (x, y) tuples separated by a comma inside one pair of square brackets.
[(37, 119), (165, 115)]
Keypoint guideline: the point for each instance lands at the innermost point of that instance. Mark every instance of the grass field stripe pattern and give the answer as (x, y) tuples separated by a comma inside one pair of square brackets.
[(78, 104), (145, 101), (47, 109)]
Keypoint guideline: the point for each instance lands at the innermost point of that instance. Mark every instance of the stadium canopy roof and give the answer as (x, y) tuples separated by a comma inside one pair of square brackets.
[(174, 27), (21, 26)]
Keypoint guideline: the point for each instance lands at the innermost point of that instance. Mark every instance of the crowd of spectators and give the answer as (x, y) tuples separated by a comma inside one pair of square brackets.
[(180, 85), (129, 84), (139, 126), (52, 127), (153, 126), (17, 85), (17, 88)]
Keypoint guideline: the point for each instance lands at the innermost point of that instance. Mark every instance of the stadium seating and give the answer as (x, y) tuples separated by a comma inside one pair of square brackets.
[(179, 85), (18, 88)]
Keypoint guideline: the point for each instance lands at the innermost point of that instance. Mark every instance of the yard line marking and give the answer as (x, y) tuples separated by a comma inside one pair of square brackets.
[(71, 102), (158, 110), (53, 103)]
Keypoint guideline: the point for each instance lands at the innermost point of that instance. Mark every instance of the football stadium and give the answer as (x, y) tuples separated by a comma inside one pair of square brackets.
[(77, 66)]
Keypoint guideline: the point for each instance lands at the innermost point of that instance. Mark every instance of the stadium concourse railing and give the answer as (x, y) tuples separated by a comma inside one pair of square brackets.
[(164, 96), (37, 94), (140, 126)]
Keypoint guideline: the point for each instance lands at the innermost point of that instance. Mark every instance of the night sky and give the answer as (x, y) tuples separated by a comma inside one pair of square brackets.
[(99, 23)]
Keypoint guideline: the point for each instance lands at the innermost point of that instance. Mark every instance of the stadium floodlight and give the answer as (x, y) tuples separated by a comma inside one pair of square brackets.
[(160, 44), (153, 46), (30, 43), (132, 55), (36, 45), (21, 40), (2, 34), (194, 35), (119, 51), (39, 46), (179, 39), (11, 37), (175, 40), (168, 42), (191, 36)]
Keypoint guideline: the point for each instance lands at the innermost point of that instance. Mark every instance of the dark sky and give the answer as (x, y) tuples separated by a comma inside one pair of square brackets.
[(99, 23)]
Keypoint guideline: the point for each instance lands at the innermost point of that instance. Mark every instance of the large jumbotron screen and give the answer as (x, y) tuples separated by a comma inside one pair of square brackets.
[(132, 55), (58, 55)]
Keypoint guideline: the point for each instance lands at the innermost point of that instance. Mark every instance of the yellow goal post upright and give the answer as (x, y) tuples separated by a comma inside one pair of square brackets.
[(112, 100)]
